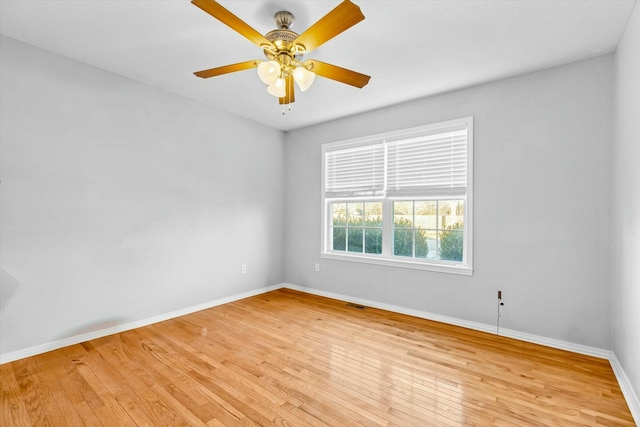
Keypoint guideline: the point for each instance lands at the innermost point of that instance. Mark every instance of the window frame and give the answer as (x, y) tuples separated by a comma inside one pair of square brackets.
[(387, 258)]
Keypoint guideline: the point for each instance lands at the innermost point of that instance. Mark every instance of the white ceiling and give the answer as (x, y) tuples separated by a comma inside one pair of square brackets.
[(411, 49)]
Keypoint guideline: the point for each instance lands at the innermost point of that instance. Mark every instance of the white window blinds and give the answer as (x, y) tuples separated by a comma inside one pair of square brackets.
[(425, 161), (429, 161), (355, 171)]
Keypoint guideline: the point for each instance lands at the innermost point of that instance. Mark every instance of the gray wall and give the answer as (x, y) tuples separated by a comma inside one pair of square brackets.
[(625, 288), (121, 202), (542, 153)]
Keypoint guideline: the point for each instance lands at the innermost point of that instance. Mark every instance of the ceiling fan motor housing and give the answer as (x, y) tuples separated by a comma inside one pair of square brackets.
[(282, 37)]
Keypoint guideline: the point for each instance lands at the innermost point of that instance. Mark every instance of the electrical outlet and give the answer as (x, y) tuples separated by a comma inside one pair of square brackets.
[(317, 266), (499, 294), (244, 268)]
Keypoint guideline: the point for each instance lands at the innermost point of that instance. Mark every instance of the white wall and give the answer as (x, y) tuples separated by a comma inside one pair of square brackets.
[(121, 202), (542, 146), (625, 288)]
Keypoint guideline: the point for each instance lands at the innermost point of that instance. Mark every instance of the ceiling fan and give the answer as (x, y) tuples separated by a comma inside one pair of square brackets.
[(284, 49)]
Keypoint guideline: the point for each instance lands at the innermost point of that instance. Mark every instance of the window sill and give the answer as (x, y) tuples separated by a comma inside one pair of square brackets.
[(440, 268)]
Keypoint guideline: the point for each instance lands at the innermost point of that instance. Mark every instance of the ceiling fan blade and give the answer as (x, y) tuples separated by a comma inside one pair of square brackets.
[(339, 74), (216, 10), (341, 18), (212, 72), (290, 96)]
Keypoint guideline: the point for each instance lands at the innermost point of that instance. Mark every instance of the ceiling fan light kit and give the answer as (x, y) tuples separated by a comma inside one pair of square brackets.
[(304, 78), (277, 88), (284, 49), (269, 71)]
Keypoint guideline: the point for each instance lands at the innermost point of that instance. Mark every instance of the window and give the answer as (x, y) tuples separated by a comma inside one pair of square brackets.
[(357, 227), (402, 198)]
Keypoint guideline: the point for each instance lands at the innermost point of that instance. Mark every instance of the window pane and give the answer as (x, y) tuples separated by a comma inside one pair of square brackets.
[(431, 240), (355, 240), (403, 242), (339, 213), (339, 238), (373, 240), (451, 213), (426, 214), (373, 214), (451, 241), (403, 214), (355, 214), (422, 248)]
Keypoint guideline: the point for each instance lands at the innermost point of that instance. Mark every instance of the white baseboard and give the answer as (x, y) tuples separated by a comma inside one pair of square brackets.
[(42, 348), (522, 336), (625, 384), (627, 389), (76, 339)]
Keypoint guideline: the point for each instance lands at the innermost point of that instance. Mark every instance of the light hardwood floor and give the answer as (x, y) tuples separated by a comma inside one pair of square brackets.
[(291, 359)]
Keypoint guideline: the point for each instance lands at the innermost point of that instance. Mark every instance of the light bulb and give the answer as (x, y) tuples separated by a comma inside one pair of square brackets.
[(268, 71), (277, 88), (303, 77)]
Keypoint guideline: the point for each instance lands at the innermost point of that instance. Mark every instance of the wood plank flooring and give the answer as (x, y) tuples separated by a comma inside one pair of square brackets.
[(291, 359)]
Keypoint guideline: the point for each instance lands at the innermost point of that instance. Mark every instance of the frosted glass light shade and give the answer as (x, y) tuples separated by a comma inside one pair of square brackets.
[(268, 71), (277, 88), (303, 77)]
